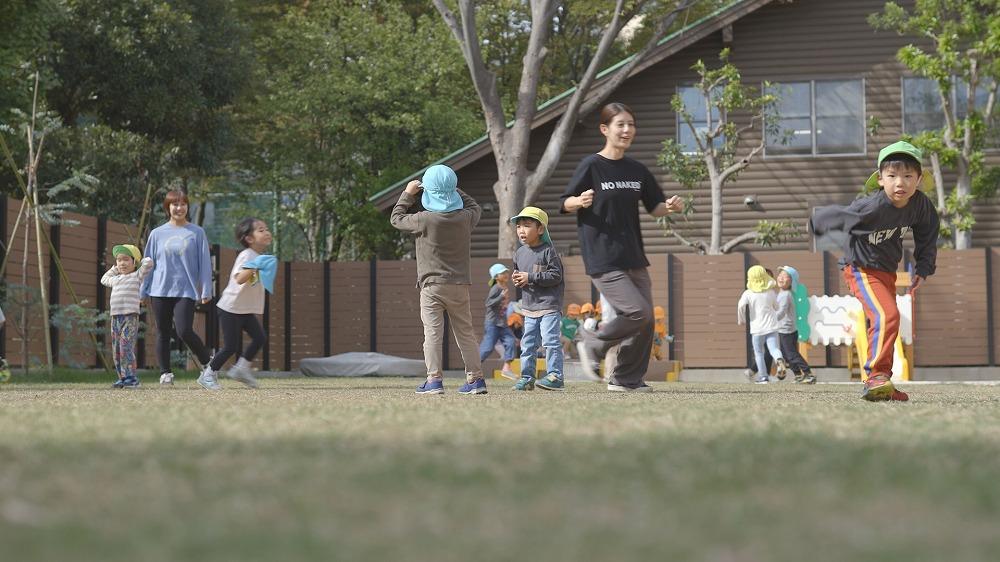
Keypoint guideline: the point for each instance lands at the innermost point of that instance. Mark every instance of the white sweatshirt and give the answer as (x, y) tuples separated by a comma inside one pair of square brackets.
[(763, 312)]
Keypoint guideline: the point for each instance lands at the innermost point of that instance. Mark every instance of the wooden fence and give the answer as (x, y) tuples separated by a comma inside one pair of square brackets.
[(322, 309)]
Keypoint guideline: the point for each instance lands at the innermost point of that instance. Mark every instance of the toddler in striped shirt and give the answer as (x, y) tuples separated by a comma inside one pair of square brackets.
[(124, 280)]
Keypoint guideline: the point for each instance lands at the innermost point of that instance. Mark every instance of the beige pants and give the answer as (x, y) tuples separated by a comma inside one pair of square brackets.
[(435, 300)]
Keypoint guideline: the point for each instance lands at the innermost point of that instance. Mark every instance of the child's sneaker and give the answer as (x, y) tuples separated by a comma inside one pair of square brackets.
[(808, 378), (130, 382), (508, 374), (477, 386), (878, 388), (781, 369), (208, 381), (525, 383), (435, 386), (120, 383), (760, 379), (899, 396), (167, 379), (243, 374), (589, 362), (551, 382)]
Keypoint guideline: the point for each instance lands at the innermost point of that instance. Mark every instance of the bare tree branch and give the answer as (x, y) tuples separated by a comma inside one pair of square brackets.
[(743, 163), (745, 237), (700, 245)]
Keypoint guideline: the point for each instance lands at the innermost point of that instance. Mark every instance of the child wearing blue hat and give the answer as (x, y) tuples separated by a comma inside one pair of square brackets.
[(444, 232), (788, 331), (240, 303), (496, 328)]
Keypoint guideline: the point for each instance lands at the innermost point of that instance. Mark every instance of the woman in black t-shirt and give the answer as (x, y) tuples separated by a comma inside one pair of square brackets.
[(604, 193)]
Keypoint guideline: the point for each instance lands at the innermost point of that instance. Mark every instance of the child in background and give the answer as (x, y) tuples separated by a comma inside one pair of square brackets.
[(538, 272), (240, 303), (587, 317), (125, 280), (788, 333), (659, 331), (570, 325), (495, 326), (444, 233), (763, 319)]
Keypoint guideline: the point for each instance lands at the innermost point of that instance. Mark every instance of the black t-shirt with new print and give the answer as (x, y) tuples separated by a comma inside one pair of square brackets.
[(609, 233)]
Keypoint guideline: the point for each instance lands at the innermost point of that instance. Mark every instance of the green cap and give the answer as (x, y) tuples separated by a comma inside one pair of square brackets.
[(128, 250), (898, 147), (537, 214)]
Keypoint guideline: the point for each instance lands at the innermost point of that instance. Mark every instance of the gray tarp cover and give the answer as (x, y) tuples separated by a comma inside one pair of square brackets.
[(362, 364)]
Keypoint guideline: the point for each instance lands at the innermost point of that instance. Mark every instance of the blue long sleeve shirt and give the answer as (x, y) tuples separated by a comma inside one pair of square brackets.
[(183, 265)]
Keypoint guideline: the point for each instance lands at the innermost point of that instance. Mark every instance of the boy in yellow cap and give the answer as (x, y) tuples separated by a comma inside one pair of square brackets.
[(872, 229), (538, 273), (125, 280)]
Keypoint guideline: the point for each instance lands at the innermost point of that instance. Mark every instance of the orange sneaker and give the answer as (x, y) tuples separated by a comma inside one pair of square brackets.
[(878, 388), (899, 396)]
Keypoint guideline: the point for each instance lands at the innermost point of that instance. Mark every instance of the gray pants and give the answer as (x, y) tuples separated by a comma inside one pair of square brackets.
[(435, 300), (632, 329)]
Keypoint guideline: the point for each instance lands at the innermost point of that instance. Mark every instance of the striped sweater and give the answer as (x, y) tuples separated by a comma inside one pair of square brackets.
[(125, 288)]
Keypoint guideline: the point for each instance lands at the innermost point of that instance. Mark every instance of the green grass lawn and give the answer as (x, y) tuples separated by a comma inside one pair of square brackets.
[(365, 470)]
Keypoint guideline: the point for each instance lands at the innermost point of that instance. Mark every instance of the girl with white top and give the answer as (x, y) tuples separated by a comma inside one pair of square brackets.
[(241, 302), (764, 320)]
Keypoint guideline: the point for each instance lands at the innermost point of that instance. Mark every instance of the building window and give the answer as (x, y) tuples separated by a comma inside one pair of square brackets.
[(922, 110), (694, 103), (818, 117)]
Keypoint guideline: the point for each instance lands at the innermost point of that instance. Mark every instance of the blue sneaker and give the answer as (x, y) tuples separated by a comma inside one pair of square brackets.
[(477, 386), (551, 382), (525, 383), (431, 387), (120, 383), (130, 382)]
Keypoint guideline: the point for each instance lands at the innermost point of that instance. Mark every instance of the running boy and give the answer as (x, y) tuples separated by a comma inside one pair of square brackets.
[(495, 325), (538, 273), (125, 280), (874, 227), (444, 232)]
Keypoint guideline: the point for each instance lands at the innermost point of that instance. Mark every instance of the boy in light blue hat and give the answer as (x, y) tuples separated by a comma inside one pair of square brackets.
[(495, 328), (444, 232)]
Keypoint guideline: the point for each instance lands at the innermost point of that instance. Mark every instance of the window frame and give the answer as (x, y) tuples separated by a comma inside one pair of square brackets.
[(678, 124), (812, 119)]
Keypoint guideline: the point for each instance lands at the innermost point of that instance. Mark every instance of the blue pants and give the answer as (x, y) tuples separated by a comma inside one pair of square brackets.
[(492, 335), (771, 341), (544, 330)]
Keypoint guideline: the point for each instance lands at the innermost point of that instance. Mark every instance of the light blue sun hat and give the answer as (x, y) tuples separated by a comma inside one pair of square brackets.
[(496, 269), (440, 186)]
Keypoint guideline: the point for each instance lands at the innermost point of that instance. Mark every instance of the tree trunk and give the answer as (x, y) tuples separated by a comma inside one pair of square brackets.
[(963, 239), (511, 193), (715, 180)]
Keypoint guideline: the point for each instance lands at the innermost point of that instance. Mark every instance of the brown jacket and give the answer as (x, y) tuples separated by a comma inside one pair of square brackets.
[(443, 239)]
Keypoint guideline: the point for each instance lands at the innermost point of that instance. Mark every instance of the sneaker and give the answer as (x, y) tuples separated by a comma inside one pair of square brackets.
[(878, 388), (589, 362), (808, 378), (243, 374), (781, 369), (120, 383), (477, 386), (167, 379), (749, 374), (798, 378), (508, 374), (551, 382), (435, 386), (208, 381), (614, 387), (899, 396), (524, 383), (130, 382), (760, 379)]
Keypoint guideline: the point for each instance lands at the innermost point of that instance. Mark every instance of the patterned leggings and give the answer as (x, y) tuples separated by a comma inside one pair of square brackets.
[(124, 333)]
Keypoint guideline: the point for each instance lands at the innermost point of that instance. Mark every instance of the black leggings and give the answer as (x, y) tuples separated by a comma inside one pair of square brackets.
[(232, 326), (178, 311)]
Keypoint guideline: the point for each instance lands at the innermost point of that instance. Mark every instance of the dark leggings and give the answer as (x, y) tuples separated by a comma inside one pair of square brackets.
[(790, 349), (178, 311), (232, 326)]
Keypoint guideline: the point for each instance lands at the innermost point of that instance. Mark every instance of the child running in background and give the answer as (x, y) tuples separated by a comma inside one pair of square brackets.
[(495, 328), (240, 303), (538, 272), (659, 331), (125, 278), (788, 333), (763, 319)]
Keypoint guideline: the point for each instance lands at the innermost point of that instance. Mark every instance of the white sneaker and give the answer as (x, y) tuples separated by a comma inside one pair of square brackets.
[(612, 387), (591, 368), (243, 374), (208, 381), (167, 379)]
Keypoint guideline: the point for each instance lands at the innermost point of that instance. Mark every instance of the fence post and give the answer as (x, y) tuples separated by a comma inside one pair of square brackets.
[(327, 336), (372, 303), (266, 366), (990, 340), (827, 291), (288, 316), (671, 323), (54, 285), (746, 327), (102, 295), (212, 316), (3, 252)]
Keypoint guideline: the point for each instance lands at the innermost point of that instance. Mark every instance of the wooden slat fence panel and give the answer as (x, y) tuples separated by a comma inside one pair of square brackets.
[(350, 293)]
